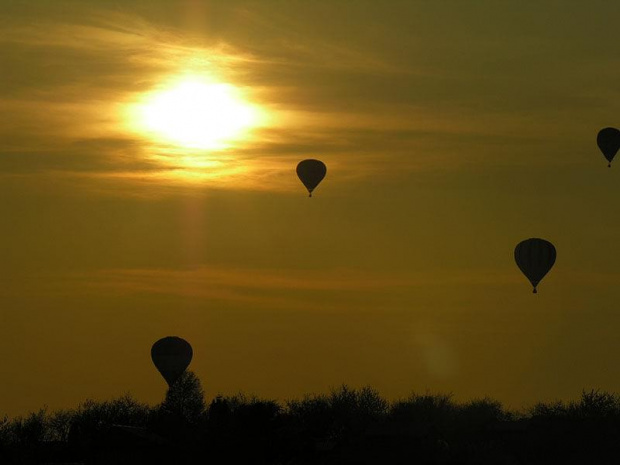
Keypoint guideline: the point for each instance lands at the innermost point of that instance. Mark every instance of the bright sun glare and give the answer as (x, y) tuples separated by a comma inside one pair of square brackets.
[(198, 114)]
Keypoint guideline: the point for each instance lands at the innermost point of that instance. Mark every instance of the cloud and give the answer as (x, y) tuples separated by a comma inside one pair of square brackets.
[(264, 286), (408, 100)]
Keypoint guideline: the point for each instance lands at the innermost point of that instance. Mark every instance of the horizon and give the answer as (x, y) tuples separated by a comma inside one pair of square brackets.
[(450, 131)]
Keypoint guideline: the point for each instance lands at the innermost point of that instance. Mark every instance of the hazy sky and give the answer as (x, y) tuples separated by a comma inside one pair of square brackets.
[(451, 131)]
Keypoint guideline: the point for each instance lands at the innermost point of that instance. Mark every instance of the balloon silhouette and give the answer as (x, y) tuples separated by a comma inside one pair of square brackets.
[(535, 257), (311, 173), (171, 356), (608, 140)]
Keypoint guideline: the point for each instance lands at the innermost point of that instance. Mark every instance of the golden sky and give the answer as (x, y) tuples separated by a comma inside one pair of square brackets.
[(451, 131)]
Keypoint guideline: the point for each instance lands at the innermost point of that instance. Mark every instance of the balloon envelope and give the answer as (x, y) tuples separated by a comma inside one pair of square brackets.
[(171, 356), (311, 173), (535, 257), (608, 140)]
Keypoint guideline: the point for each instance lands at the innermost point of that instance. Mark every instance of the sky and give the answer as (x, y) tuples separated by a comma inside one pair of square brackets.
[(451, 131)]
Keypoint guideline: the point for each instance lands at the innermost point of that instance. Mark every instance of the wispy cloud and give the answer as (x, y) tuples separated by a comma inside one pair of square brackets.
[(255, 285), (268, 286), (410, 101)]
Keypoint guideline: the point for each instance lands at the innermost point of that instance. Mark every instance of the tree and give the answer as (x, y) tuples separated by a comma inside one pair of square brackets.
[(185, 398)]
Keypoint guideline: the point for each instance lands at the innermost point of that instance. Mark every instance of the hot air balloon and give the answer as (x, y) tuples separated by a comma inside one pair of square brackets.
[(311, 173), (535, 257), (608, 140), (171, 356)]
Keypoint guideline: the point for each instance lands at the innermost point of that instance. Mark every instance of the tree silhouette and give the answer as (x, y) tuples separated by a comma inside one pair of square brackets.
[(185, 399), (345, 426)]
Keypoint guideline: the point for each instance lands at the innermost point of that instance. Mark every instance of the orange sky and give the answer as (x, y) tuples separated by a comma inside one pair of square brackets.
[(451, 131)]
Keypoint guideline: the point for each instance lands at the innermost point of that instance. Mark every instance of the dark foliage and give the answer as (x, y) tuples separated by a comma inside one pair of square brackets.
[(345, 426)]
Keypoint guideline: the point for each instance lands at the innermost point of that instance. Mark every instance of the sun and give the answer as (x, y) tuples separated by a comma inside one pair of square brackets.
[(197, 113)]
